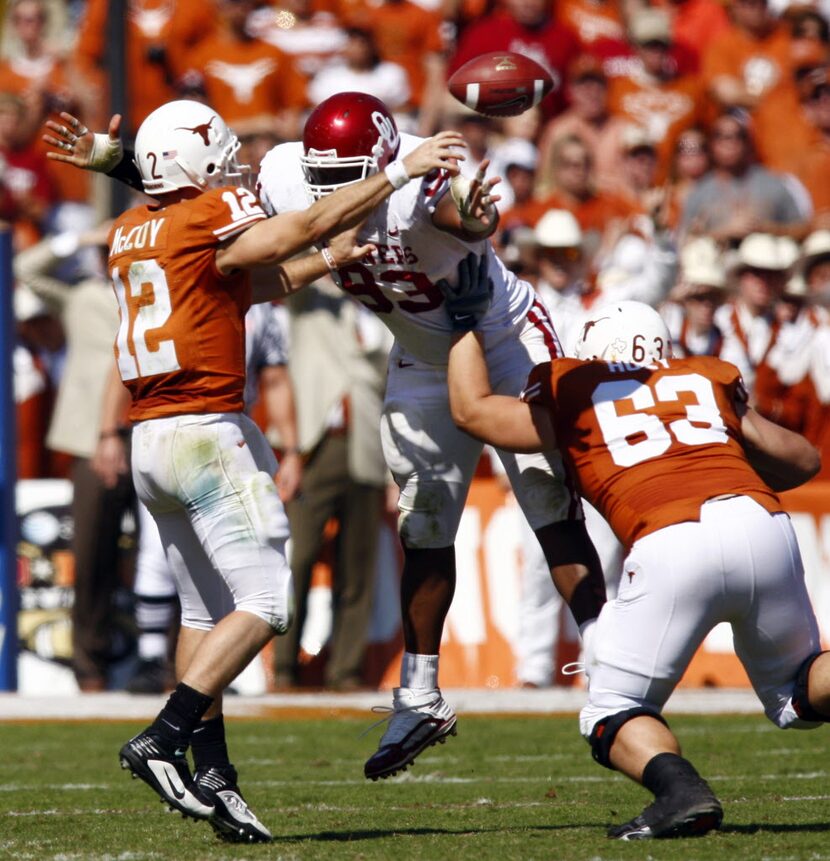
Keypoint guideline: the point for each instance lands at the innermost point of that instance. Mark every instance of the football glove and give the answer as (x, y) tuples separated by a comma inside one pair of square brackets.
[(469, 300)]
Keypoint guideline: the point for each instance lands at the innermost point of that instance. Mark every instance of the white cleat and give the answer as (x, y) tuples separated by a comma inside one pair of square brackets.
[(417, 720)]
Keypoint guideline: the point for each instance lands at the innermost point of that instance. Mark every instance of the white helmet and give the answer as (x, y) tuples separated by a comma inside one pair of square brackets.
[(186, 144), (624, 332)]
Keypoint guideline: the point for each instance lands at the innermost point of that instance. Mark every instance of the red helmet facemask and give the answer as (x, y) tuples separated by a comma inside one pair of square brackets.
[(346, 138)]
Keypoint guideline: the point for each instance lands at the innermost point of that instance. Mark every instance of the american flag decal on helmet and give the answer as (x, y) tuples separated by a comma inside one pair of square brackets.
[(169, 153)]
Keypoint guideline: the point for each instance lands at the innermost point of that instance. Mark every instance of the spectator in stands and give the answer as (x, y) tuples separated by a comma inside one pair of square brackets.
[(700, 290), (46, 84), (589, 118), (561, 269), (338, 367), (689, 164), (90, 316), (639, 174), (252, 84), (750, 65), (313, 38), (515, 161), (25, 190), (38, 338), (159, 33), (592, 20), (657, 97), (695, 23), (738, 196), (812, 165), (815, 267), (573, 189), (761, 268), (361, 70), (527, 26), (410, 36)]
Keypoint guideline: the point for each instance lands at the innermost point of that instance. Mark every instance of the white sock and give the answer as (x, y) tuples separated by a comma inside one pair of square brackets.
[(419, 671)]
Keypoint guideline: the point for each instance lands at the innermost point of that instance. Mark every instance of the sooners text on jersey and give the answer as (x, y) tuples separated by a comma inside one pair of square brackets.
[(181, 342), (649, 445)]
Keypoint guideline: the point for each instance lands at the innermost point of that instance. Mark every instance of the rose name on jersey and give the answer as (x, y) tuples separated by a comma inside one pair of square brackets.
[(142, 236)]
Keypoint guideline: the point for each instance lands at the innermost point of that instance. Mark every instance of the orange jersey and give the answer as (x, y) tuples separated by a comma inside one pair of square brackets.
[(246, 79), (181, 343), (664, 109), (649, 445)]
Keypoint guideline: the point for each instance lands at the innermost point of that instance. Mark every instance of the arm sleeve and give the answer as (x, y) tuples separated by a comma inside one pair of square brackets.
[(126, 171)]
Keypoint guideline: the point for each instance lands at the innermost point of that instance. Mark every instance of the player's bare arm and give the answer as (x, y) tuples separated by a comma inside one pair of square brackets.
[(783, 458), (505, 422), (269, 242), (468, 210)]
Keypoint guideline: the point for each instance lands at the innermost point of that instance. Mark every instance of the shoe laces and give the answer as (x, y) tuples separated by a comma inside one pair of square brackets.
[(389, 712)]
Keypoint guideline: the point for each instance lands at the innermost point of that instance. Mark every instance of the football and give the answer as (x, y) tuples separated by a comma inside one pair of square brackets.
[(500, 84)]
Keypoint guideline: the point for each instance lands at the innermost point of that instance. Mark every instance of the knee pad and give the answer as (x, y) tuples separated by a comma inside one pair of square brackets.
[(605, 731), (800, 700), (429, 514)]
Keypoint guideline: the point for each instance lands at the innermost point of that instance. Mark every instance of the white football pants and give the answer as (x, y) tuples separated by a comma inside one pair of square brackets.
[(738, 564), (208, 482)]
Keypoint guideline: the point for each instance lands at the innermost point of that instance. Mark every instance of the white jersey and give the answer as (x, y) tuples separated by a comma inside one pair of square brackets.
[(397, 282)]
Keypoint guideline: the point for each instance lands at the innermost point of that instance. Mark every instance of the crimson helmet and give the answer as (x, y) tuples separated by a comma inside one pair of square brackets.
[(346, 138)]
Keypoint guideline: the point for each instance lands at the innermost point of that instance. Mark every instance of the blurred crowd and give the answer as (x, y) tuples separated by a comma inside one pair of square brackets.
[(682, 160)]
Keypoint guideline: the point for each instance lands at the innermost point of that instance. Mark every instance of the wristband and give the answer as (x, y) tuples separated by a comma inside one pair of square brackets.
[(396, 174), (328, 257), (106, 153)]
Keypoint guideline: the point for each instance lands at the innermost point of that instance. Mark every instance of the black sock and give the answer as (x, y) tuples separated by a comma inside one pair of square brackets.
[(665, 773), (181, 714), (208, 744)]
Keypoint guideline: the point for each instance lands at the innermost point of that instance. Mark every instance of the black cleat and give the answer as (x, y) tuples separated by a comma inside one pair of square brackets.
[(165, 772), (691, 813), (232, 819)]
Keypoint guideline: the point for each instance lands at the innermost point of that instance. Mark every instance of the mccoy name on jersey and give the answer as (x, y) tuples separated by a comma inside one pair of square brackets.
[(181, 342), (397, 282)]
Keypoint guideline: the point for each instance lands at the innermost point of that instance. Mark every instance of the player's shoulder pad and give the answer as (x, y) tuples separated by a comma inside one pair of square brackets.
[(226, 211)]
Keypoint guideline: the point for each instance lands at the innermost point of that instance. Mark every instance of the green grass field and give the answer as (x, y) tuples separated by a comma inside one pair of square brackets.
[(505, 788)]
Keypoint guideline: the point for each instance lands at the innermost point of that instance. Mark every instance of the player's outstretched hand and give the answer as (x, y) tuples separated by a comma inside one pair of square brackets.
[(469, 300), (75, 144), (439, 151), (345, 248), (475, 200)]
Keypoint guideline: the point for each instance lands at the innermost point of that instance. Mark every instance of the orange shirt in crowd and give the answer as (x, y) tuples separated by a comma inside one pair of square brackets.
[(592, 213), (695, 23), (406, 34), (178, 26), (635, 437), (664, 109), (592, 20), (812, 167), (181, 342), (51, 79), (765, 67), (246, 80), (604, 142)]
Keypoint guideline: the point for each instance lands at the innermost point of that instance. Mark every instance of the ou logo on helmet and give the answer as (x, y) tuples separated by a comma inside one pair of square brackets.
[(387, 133)]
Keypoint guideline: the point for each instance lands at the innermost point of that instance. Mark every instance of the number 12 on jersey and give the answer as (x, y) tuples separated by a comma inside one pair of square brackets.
[(152, 314)]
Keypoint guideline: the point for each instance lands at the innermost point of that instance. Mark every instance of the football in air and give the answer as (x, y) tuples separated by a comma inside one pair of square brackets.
[(500, 84)]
